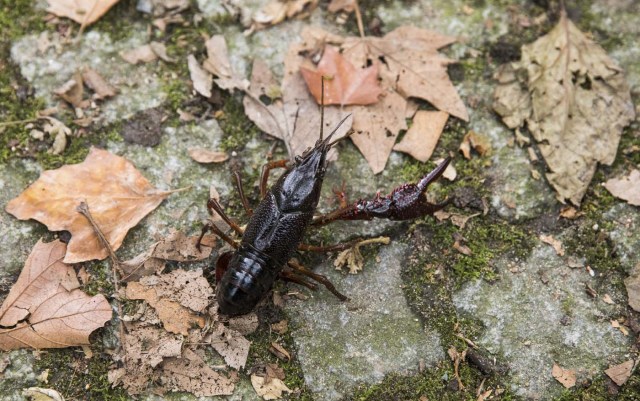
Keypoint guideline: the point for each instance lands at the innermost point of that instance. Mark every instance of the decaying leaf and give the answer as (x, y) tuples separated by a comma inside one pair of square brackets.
[(202, 155), (271, 390), (218, 64), (45, 308), (573, 99), (632, 283), (626, 188), (72, 91), (279, 351), (621, 373), (347, 6), (101, 88), (84, 12), (276, 11), (232, 346), (202, 80), (42, 394), (460, 246), (352, 257), (191, 373), (555, 243), (566, 377), (117, 194), (422, 137), (142, 54), (476, 141), (344, 84)]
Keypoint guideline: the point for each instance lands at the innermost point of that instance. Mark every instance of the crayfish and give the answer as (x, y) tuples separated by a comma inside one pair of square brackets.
[(277, 225)]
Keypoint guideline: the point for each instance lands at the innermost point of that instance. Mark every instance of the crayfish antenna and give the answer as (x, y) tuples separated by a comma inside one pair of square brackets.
[(433, 175), (321, 107)]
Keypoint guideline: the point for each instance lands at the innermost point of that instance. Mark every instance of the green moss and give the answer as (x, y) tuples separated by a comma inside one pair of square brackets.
[(118, 20), (237, 128), (77, 378)]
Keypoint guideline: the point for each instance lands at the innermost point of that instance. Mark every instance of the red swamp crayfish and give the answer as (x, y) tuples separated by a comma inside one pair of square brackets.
[(276, 227)]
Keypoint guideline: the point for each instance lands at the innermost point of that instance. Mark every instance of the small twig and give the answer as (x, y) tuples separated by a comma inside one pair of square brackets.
[(83, 209), (359, 19)]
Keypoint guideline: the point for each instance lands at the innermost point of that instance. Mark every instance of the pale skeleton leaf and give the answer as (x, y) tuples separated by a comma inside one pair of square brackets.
[(574, 100)]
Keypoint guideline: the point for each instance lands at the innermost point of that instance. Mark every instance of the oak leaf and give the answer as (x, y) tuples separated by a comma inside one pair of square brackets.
[(344, 84), (117, 194), (45, 308), (573, 99), (422, 137), (84, 12)]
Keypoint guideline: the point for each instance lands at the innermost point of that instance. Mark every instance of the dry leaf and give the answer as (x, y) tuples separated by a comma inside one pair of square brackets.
[(410, 64), (478, 142), (175, 317), (570, 212), (245, 324), (621, 373), (271, 390), (376, 128), (142, 54), (352, 257), (574, 101), (276, 11), (45, 308), (626, 188), (218, 64), (566, 377), (117, 194), (84, 12), (459, 245), (279, 351), (202, 155), (632, 284), (283, 119), (72, 91), (348, 6), (98, 84), (280, 327), (42, 394), (555, 243), (202, 80), (160, 50), (232, 346), (422, 137), (344, 84), (191, 373)]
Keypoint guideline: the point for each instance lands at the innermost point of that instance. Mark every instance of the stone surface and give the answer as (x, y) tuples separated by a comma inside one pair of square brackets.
[(532, 325), (342, 344)]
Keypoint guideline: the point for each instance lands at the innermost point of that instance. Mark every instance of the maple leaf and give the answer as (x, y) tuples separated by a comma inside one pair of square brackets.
[(117, 194), (84, 12), (574, 100), (45, 308), (344, 84)]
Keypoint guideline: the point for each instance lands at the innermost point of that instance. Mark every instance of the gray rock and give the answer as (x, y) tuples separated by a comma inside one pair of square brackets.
[(532, 325), (342, 344), (625, 234)]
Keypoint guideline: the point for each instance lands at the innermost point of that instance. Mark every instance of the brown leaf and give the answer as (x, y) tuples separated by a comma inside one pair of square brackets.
[(84, 12), (478, 142), (555, 243), (191, 373), (632, 284), (422, 137), (279, 351), (271, 390), (175, 317), (570, 212), (376, 128), (98, 84), (218, 64), (626, 188), (202, 155), (412, 65), (160, 50), (621, 373), (276, 11), (202, 80), (459, 245), (117, 194), (72, 91), (280, 327), (574, 100), (45, 308), (344, 84), (347, 6), (232, 346), (142, 54), (245, 324), (566, 377)]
